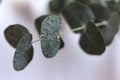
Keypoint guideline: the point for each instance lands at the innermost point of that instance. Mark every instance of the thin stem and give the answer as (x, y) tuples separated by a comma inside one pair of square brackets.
[(101, 23), (73, 30), (35, 41), (83, 27)]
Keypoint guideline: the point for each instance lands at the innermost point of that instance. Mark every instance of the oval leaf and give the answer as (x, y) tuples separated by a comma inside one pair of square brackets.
[(24, 53), (85, 1), (38, 23), (56, 5), (14, 33), (61, 43), (101, 13), (91, 40), (113, 5), (77, 14), (111, 28), (50, 38)]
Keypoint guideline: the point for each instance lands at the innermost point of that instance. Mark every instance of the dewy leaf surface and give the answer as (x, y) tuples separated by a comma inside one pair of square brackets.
[(111, 28), (50, 37), (91, 40), (14, 33), (24, 53)]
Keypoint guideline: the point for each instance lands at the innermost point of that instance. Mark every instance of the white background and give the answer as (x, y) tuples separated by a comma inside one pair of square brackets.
[(71, 62)]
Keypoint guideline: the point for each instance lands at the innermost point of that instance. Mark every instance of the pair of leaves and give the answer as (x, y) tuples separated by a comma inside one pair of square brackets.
[(77, 14), (24, 52), (20, 38), (14, 33), (49, 27), (111, 28), (93, 39)]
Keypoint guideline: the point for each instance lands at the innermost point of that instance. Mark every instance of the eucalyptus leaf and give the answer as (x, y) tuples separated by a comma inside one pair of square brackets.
[(50, 37), (91, 40), (24, 52), (61, 43), (86, 1), (113, 5), (56, 5), (14, 33), (101, 13), (38, 23), (111, 28), (77, 14)]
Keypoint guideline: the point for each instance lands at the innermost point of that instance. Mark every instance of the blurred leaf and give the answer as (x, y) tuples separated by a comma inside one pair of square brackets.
[(113, 5), (14, 33), (91, 40), (61, 43), (101, 13), (38, 22), (85, 1), (50, 37), (24, 53), (57, 5), (111, 29), (77, 14)]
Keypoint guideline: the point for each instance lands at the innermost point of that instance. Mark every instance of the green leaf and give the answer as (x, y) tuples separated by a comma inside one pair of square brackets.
[(50, 37), (61, 43), (111, 28), (38, 23), (14, 33), (85, 1), (77, 14), (56, 5), (24, 53), (113, 5), (91, 40), (101, 13)]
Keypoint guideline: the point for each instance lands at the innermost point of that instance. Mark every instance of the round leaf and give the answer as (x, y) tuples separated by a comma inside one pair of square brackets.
[(111, 28), (14, 33), (101, 13), (61, 43), (77, 14), (56, 5), (50, 38), (91, 40), (24, 53), (38, 22)]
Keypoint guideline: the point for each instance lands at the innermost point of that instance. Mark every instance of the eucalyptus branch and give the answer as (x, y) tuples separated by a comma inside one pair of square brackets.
[(76, 29)]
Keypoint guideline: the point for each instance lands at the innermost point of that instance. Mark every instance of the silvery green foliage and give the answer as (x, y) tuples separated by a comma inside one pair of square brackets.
[(50, 37), (24, 53), (94, 38)]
